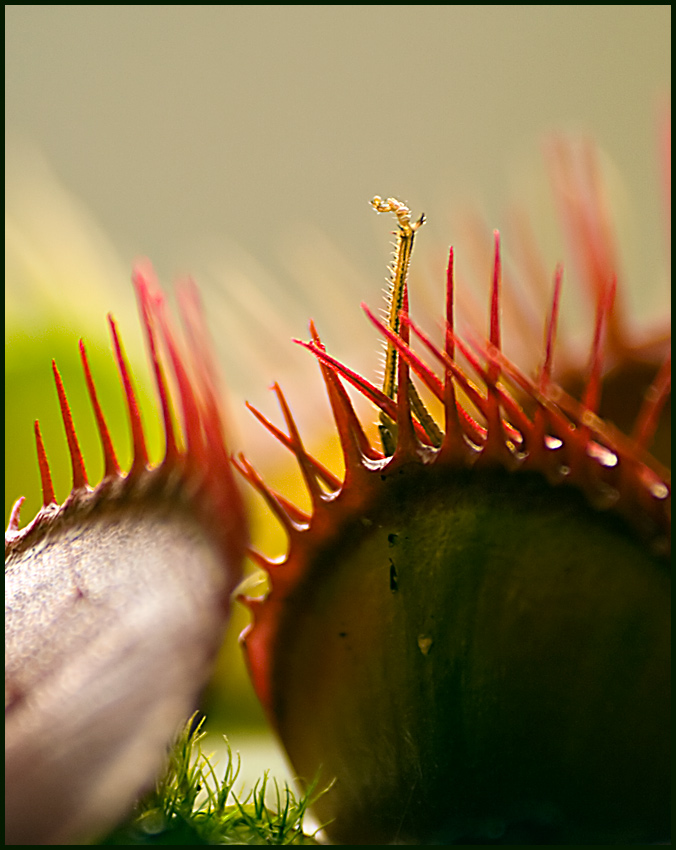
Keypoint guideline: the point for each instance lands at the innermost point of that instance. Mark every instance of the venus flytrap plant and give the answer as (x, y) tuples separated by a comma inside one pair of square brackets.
[(117, 599), (468, 636), (470, 631)]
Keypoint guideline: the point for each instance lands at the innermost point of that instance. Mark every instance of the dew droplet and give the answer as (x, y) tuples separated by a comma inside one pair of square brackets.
[(255, 585), (658, 490), (603, 455)]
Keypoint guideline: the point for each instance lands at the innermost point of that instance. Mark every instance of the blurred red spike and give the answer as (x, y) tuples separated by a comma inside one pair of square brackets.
[(406, 427), (387, 405), (140, 460), (198, 338), (476, 432), (583, 207), (297, 447), (496, 396), (604, 308), (353, 439), (494, 335), (48, 496), (76, 461), (502, 397), (571, 421), (213, 437), (453, 445), (191, 418), (381, 401), (495, 293), (145, 304), (429, 378), (483, 404), (111, 466), (272, 499), (550, 332), (494, 445), (13, 524), (354, 443), (320, 470), (654, 400), (450, 292), (299, 517)]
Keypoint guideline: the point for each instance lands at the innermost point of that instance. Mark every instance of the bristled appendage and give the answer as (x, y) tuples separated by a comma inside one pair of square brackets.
[(202, 467), (562, 439)]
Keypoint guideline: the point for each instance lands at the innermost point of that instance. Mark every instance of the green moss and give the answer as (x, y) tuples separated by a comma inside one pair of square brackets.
[(190, 805)]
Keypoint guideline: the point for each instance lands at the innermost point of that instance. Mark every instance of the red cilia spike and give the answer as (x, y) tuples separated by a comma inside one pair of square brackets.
[(48, 497), (449, 305), (291, 517), (189, 402), (550, 331), (495, 295), (655, 399), (354, 442), (593, 390), (77, 463), (318, 470), (364, 386), (140, 459), (145, 303), (111, 466), (13, 524)]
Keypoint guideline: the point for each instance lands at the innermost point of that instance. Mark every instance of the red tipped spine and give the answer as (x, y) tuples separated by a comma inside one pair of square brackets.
[(111, 465), (551, 328), (453, 446), (171, 449), (649, 414), (48, 496), (77, 463), (140, 461), (318, 469), (449, 345), (13, 524), (592, 392), (354, 443)]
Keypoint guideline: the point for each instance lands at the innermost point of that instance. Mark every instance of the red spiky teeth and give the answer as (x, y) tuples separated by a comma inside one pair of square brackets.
[(117, 599), (470, 635)]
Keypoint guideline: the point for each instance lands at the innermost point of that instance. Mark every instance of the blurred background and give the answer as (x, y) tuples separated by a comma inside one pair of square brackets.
[(241, 145)]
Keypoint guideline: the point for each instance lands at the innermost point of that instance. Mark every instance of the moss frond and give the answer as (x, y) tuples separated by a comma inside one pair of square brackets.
[(190, 804)]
